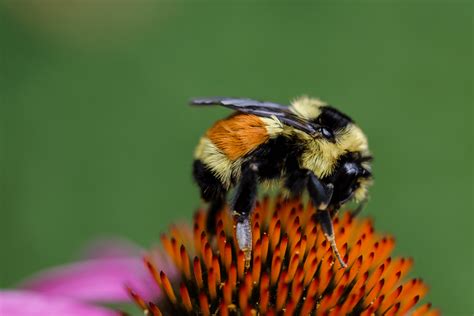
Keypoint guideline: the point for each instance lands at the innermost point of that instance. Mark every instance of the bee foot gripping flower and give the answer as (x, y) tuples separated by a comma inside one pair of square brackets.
[(243, 233), (292, 271)]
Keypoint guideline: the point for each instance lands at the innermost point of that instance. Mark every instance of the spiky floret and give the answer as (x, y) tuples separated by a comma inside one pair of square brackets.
[(293, 271)]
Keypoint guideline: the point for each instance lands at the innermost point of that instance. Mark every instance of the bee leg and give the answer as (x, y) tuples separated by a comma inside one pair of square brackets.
[(297, 181), (243, 204), (324, 219), (321, 195)]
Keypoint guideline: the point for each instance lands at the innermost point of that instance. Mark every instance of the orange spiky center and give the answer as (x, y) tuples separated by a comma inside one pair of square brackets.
[(293, 270)]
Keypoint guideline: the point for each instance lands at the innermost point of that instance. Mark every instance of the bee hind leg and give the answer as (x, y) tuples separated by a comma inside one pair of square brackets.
[(243, 204), (321, 195)]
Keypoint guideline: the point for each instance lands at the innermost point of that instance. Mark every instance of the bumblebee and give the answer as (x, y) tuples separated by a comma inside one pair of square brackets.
[(307, 146)]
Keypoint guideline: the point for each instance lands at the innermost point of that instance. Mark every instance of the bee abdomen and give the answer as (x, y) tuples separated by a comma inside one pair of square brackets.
[(211, 187)]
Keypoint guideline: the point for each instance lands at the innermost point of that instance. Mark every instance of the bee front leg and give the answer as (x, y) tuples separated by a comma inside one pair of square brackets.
[(321, 195), (243, 204)]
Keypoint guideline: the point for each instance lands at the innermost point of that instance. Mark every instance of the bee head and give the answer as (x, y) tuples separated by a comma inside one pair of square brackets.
[(351, 179), (338, 152)]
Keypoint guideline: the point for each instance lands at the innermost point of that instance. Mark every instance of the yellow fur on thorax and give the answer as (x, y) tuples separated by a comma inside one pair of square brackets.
[(306, 107), (321, 156)]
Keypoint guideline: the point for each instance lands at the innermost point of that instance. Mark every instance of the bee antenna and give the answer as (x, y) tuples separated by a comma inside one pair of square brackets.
[(359, 208)]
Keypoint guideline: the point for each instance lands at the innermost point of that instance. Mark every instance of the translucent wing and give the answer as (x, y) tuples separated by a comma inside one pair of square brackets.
[(263, 109)]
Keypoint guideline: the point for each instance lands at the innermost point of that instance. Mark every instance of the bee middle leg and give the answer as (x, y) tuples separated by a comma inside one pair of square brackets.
[(242, 206)]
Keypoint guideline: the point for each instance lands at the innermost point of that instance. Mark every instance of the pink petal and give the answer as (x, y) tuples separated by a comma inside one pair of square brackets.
[(24, 303), (97, 280)]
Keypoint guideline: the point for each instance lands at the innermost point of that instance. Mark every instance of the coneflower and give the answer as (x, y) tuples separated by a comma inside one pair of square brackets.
[(293, 270)]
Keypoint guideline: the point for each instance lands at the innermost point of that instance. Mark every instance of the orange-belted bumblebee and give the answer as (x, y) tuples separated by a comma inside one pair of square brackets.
[(308, 145)]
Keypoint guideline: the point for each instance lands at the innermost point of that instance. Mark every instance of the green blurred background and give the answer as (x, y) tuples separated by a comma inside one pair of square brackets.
[(98, 138)]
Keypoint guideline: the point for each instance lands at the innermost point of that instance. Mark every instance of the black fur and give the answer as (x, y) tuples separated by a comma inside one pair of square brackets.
[(212, 191), (277, 157), (211, 187), (332, 118), (296, 182)]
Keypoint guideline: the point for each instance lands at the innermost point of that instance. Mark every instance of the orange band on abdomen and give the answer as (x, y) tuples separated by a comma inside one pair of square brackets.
[(238, 134)]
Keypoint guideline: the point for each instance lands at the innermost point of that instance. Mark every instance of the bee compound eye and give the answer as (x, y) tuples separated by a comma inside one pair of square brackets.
[(326, 133)]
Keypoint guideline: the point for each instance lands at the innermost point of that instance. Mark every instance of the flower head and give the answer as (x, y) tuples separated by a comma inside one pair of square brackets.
[(293, 270)]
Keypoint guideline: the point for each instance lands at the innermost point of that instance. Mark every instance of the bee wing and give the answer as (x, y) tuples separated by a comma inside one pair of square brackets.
[(235, 103), (263, 109)]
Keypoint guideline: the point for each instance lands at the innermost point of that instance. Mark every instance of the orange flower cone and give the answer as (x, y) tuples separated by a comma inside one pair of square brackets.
[(293, 270)]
